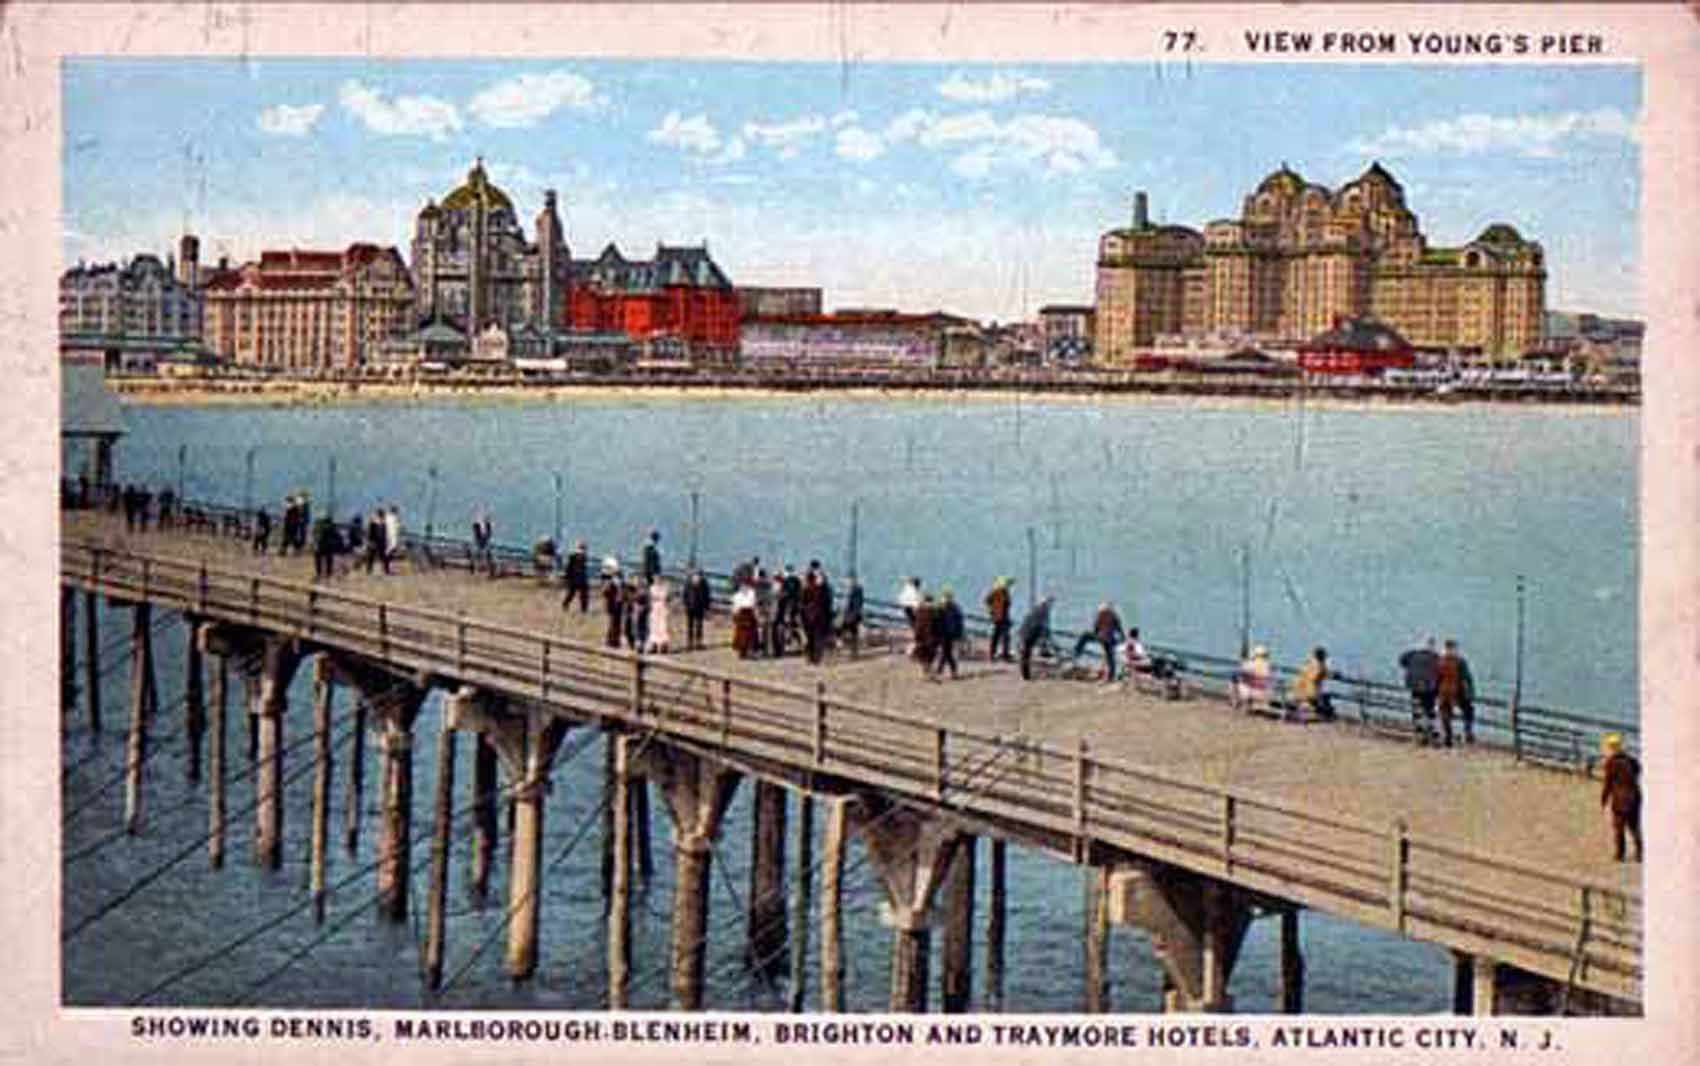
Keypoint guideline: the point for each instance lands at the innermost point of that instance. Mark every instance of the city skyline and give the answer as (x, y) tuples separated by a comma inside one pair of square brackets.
[(976, 189)]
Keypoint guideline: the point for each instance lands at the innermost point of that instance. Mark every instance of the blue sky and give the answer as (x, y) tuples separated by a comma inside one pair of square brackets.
[(978, 188)]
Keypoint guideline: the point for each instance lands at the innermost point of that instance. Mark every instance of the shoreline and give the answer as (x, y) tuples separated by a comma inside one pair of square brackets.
[(156, 392)]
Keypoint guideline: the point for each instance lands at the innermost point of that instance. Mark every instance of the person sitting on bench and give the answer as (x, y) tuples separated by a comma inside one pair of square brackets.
[(1308, 692), (1254, 684)]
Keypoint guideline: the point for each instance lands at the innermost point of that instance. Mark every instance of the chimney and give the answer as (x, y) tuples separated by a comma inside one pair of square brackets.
[(1141, 211), (189, 261)]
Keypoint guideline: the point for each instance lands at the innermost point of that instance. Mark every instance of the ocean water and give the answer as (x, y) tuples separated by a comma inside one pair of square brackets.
[(1360, 529)]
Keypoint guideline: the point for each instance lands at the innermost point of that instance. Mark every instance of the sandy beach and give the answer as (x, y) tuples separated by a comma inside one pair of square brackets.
[(150, 391)]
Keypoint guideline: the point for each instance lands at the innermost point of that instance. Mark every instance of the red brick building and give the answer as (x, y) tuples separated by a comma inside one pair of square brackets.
[(1356, 346), (677, 305)]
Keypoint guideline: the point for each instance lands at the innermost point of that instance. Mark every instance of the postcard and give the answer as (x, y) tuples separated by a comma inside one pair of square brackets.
[(751, 531)]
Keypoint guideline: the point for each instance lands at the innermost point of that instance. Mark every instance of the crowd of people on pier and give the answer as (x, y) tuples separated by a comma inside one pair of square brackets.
[(784, 611)]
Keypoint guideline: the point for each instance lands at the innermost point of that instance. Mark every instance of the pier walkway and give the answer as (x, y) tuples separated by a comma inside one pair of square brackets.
[(1506, 863)]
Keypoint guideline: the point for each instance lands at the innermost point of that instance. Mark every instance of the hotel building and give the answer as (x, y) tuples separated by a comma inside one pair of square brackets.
[(1302, 257)]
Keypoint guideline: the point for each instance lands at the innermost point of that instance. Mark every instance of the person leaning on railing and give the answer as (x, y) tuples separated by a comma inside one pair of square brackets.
[(1308, 690)]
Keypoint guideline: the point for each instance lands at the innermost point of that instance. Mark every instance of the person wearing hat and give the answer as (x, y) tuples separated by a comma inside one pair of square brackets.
[(577, 578), (948, 628), (1035, 632), (1253, 684), (850, 625), (1308, 692), (997, 608), (1454, 689), (1107, 631), (651, 567), (697, 599), (1620, 793), (1422, 667), (611, 604)]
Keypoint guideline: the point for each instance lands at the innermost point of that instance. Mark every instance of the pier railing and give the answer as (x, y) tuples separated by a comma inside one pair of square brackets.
[(1531, 731), (1578, 930)]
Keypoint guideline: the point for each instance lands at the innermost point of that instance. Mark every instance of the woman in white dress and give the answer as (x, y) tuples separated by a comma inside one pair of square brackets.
[(660, 602)]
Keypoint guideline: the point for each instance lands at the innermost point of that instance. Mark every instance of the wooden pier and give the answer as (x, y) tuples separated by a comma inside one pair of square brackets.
[(1189, 820)]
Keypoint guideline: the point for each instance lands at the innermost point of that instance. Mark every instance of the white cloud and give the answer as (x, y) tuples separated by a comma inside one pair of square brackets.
[(786, 138), (844, 118), (1472, 134), (694, 134), (858, 144), (1046, 143), (528, 99), (411, 116), (991, 88), (697, 136), (284, 120)]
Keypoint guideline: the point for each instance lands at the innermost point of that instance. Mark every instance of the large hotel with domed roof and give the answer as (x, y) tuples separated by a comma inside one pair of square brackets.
[(1302, 257), (476, 290)]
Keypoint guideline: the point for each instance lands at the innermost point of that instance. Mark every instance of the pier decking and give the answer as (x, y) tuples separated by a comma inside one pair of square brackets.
[(1506, 863)]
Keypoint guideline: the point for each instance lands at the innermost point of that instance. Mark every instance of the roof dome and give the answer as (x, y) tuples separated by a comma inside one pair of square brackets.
[(1500, 233), (477, 190), (1286, 180)]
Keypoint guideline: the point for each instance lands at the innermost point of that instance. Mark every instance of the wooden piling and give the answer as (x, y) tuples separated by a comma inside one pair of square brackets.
[(268, 780), (612, 792), (91, 660), (831, 896), (1292, 964), (1097, 940), (215, 763), (803, 880), (394, 846), (483, 818), (323, 694), (638, 790), (352, 799), (911, 949), (765, 930), (525, 861), (956, 981), (995, 905), (67, 650), (436, 904), (251, 701), (1484, 990), (691, 862), (141, 686), (1463, 984), (194, 706), (619, 874)]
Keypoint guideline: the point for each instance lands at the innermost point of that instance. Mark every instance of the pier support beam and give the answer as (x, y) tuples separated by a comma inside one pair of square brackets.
[(280, 658), (215, 762), (67, 650), (1096, 939), (697, 791), (393, 701), (803, 884), (144, 698), (764, 951), (437, 894), (833, 839), (194, 705), (956, 983), (995, 912), (91, 660), (911, 851), (484, 822), (618, 871), (323, 694), (353, 798), (1292, 964), (1196, 925), (525, 738)]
